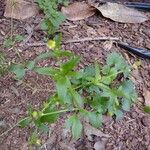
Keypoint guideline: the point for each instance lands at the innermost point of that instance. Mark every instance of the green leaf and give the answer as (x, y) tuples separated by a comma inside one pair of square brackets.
[(89, 71), (46, 71), (128, 90), (119, 115), (77, 98), (18, 70), (62, 85), (44, 128), (97, 72), (30, 65), (76, 128), (106, 69), (146, 109), (69, 65), (19, 38), (24, 122), (126, 104), (75, 124), (95, 119), (44, 56), (48, 118)]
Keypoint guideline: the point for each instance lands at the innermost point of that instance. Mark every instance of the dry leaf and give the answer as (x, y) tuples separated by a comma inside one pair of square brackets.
[(146, 94), (20, 9), (121, 13), (78, 11), (100, 145), (89, 131)]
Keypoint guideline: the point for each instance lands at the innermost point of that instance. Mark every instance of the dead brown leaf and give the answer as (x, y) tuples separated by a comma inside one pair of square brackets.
[(20, 9), (100, 145), (89, 131), (146, 94), (121, 13), (78, 11)]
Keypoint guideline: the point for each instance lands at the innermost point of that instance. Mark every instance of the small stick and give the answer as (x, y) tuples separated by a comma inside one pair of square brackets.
[(91, 39), (76, 41)]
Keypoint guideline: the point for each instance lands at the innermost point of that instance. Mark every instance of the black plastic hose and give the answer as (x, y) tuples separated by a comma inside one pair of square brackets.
[(137, 51)]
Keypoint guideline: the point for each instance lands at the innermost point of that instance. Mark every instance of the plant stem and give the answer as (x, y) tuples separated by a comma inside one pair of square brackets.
[(58, 112)]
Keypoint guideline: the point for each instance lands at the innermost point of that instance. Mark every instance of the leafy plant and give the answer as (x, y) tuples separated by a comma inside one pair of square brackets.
[(3, 64), (89, 92), (10, 41), (53, 17)]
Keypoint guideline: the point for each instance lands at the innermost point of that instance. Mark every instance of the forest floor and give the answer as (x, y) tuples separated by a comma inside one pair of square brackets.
[(131, 133)]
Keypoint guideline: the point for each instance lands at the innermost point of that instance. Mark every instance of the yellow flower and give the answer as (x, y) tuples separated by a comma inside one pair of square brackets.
[(38, 142), (51, 44)]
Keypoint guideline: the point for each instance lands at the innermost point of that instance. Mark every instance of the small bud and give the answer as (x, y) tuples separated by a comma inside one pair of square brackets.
[(34, 114), (51, 44)]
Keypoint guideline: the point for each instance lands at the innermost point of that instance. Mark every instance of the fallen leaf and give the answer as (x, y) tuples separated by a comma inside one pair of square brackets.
[(100, 145), (20, 9), (89, 131), (78, 11), (146, 94), (120, 13)]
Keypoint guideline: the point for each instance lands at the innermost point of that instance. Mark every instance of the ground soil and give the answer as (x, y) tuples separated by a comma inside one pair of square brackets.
[(131, 133)]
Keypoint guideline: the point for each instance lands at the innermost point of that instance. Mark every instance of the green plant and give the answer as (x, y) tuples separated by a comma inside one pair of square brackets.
[(10, 41), (53, 17), (89, 92), (3, 64)]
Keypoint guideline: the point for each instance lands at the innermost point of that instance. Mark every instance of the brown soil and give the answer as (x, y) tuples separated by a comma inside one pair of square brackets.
[(133, 132)]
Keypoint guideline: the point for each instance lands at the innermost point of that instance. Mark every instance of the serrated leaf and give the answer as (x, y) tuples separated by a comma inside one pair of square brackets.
[(75, 125), (106, 69), (119, 114), (76, 128), (77, 98), (62, 85), (89, 71), (44, 128), (121, 13), (19, 38), (24, 122), (97, 72), (44, 56), (126, 104), (95, 119), (46, 71), (18, 70), (69, 65), (30, 65), (128, 90)]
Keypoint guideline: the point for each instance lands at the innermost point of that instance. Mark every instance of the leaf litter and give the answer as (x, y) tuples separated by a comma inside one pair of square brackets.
[(78, 11), (20, 9), (120, 13)]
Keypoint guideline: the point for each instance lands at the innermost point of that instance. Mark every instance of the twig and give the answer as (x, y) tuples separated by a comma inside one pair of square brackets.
[(91, 39), (75, 41)]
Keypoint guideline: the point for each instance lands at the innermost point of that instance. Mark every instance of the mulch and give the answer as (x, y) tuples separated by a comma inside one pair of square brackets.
[(131, 133)]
